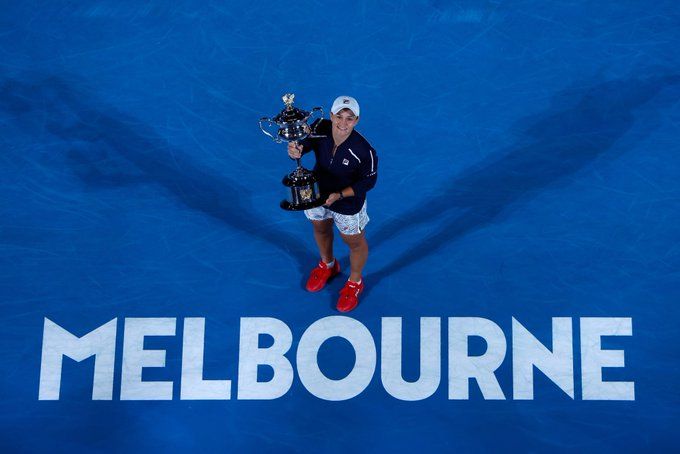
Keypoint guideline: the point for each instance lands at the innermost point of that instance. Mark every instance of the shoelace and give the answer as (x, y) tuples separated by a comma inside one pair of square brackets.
[(350, 290)]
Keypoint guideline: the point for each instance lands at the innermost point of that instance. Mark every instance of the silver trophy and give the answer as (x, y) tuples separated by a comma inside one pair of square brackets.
[(292, 123)]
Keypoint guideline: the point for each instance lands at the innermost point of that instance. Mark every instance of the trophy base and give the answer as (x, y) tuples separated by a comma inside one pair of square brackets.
[(303, 190), (286, 205)]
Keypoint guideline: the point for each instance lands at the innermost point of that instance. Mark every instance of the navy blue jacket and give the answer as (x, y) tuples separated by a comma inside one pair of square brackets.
[(354, 164)]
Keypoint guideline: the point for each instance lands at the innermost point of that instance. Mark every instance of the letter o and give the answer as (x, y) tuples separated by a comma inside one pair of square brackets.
[(308, 367)]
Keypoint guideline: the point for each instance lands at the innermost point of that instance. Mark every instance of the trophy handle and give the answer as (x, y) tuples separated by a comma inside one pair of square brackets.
[(269, 123), (319, 111)]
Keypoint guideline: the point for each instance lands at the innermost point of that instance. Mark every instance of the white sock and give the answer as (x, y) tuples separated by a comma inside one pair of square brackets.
[(330, 264)]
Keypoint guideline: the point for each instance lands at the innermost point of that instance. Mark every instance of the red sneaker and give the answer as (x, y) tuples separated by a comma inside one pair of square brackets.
[(321, 274), (349, 296)]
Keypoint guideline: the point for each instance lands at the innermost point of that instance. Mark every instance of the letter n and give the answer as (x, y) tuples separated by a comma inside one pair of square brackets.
[(529, 353)]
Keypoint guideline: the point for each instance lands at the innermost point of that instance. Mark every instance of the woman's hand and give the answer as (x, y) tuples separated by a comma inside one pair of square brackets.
[(294, 150), (334, 197)]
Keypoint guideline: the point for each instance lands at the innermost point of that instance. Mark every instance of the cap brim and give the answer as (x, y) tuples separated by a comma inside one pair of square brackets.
[(341, 107)]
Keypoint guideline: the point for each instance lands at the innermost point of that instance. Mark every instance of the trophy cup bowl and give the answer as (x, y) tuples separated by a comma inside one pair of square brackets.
[(292, 126)]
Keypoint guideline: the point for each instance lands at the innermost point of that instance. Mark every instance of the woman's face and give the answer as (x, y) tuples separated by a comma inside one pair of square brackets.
[(343, 123)]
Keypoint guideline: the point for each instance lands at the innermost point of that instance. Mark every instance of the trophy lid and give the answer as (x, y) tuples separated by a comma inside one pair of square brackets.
[(290, 114)]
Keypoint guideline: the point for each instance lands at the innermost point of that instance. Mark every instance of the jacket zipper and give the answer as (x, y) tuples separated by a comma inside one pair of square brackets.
[(335, 149)]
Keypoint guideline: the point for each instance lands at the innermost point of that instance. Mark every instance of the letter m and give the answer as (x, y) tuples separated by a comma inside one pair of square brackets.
[(57, 343)]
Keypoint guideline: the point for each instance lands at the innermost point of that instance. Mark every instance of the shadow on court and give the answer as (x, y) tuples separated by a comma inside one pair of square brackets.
[(581, 125), (110, 149)]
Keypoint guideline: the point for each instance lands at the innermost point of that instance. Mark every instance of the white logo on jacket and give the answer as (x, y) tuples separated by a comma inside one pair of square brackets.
[(345, 162)]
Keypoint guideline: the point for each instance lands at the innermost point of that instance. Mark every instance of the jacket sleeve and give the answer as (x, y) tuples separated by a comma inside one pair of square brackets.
[(307, 145), (368, 171)]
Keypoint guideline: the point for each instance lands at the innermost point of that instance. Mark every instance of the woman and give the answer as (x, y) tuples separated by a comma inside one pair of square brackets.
[(346, 166)]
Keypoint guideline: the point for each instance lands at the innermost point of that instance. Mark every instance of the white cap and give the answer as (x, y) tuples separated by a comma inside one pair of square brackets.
[(345, 102)]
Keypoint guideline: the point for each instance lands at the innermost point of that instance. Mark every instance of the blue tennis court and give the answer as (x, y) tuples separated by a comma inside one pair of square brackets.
[(523, 281)]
